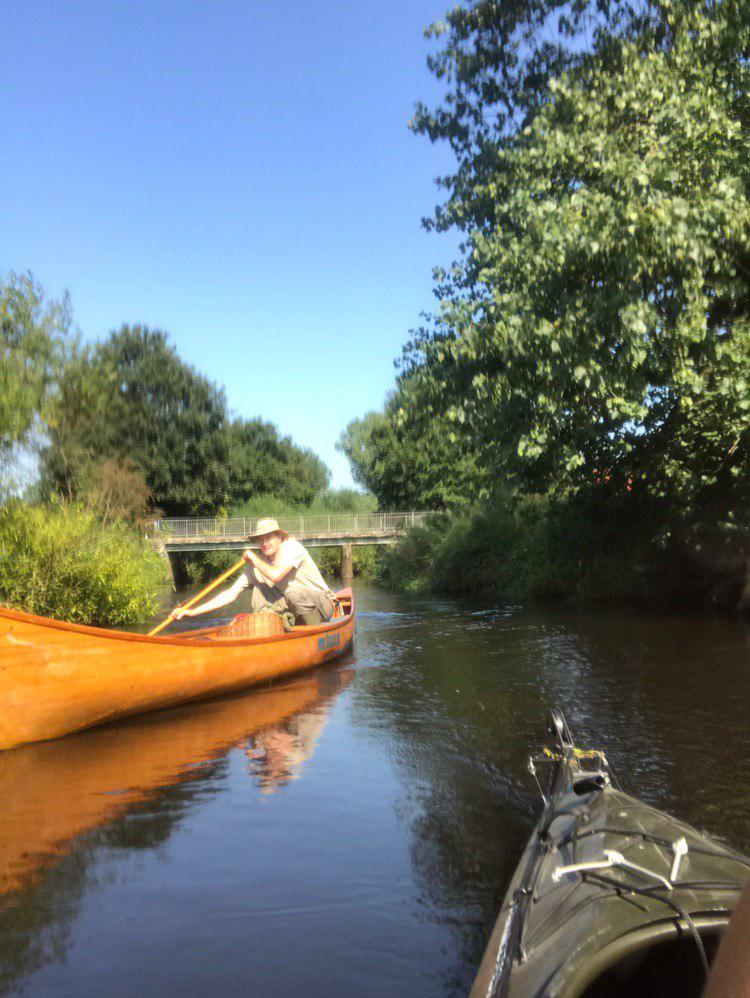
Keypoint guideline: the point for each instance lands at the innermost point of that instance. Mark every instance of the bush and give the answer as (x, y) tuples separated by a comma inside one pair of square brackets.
[(408, 565), (61, 561), (595, 547)]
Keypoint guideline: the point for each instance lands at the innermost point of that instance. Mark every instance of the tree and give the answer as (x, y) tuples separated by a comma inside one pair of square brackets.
[(498, 61), (33, 336), (76, 425), (131, 398), (410, 460), (344, 501), (261, 461), (116, 490), (129, 415), (600, 318)]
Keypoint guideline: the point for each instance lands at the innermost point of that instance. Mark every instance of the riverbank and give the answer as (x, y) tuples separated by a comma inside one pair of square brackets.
[(586, 549)]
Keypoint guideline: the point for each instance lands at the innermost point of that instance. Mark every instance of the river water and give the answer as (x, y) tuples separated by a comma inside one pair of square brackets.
[(352, 831)]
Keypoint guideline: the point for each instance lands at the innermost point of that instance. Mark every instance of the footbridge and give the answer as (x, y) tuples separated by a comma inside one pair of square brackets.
[(319, 530)]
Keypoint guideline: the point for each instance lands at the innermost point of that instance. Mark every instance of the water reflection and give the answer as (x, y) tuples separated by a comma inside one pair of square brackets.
[(63, 788), (127, 787), (278, 753)]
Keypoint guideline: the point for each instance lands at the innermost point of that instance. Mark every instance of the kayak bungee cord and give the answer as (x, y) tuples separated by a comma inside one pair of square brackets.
[(654, 894)]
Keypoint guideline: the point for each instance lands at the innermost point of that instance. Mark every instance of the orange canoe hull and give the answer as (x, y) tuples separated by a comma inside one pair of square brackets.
[(56, 678)]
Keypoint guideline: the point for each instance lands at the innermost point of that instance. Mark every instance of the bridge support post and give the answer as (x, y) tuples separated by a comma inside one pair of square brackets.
[(161, 549), (347, 566)]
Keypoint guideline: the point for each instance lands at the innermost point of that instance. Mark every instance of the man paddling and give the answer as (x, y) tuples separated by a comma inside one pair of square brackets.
[(283, 577)]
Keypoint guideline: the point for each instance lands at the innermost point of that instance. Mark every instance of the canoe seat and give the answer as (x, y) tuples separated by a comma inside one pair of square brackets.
[(252, 625)]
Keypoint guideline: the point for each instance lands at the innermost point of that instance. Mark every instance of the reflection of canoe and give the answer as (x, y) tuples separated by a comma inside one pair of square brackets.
[(59, 790), (611, 897), (56, 677)]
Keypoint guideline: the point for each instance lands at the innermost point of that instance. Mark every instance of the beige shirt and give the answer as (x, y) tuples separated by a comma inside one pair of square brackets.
[(304, 572)]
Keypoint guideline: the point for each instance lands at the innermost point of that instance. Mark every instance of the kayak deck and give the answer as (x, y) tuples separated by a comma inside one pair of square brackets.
[(611, 896)]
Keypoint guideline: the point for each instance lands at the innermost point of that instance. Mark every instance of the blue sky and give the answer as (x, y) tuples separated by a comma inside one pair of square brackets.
[(239, 174)]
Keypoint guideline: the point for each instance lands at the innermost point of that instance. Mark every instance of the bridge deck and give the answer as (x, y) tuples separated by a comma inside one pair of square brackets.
[(234, 532)]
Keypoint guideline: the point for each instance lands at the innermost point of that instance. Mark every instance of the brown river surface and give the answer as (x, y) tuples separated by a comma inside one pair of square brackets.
[(352, 831)]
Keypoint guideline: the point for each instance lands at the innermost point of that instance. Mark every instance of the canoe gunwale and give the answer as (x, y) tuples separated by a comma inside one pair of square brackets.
[(184, 640)]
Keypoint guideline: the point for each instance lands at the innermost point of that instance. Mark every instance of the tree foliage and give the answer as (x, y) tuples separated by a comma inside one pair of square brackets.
[(499, 61), (115, 490), (262, 462), (33, 337), (130, 407), (132, 398), (408, 461), (598, 323), (343, 501)]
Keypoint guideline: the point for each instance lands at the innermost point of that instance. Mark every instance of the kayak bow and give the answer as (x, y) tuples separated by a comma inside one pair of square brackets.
[(611, 896)]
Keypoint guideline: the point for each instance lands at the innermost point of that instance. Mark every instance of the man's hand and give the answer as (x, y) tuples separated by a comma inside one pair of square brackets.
[(250, 556), (179, 612)]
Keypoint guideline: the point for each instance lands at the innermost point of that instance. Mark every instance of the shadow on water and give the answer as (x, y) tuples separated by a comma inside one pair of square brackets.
[(127, 787)]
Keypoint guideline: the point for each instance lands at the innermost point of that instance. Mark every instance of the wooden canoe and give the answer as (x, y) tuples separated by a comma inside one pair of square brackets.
[(56, 677)]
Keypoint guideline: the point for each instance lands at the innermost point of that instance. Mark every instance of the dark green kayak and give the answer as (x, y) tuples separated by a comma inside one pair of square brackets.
[(611, 897)]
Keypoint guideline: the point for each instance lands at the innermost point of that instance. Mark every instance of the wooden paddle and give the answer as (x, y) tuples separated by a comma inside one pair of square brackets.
[(196, 599)]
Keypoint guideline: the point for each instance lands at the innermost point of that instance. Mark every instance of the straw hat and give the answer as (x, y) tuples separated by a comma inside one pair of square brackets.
[(267, 526)]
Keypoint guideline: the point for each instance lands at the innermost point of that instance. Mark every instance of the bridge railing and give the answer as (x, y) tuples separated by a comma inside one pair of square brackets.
[(317, 525)]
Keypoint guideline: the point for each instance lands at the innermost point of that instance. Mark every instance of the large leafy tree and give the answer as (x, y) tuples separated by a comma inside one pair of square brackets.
[(600, 318), (131, 420), (132, 398), (498, 62), (409, 461)]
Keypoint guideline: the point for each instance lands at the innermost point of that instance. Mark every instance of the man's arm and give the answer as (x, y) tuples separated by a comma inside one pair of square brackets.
[(228, 596), (269, 572)]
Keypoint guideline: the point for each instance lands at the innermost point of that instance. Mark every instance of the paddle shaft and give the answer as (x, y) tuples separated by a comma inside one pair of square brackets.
[(196, 599)]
